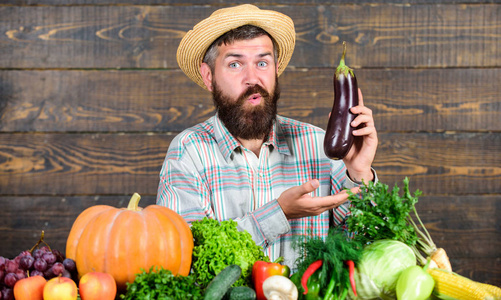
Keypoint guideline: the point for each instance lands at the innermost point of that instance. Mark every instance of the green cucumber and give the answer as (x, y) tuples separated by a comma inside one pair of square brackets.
[(240, 293), (220, 284)]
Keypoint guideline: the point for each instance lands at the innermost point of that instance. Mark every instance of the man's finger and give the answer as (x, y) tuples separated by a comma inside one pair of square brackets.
[(355, 190), (333, 201), (309, 186), (360, 97)]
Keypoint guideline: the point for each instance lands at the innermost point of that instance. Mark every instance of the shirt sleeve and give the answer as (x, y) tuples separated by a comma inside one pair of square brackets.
[(265, 224), (182, 190)]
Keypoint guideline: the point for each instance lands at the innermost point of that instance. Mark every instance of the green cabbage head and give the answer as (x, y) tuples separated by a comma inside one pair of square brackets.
[(379, 267)]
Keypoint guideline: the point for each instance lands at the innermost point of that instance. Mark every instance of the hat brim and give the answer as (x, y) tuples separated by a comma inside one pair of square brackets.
[(195, 43)]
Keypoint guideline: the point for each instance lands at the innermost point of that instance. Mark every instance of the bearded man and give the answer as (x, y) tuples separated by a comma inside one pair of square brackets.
[(267, 172)]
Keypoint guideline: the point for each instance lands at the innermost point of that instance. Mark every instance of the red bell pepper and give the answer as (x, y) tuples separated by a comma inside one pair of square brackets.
[(261, 270)]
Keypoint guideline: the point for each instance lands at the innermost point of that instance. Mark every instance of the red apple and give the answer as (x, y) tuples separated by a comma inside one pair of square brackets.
[(29, 288), (97, 286), (60, 288)]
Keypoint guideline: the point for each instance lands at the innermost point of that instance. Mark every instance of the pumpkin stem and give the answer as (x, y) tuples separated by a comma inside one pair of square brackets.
[(134, 202)]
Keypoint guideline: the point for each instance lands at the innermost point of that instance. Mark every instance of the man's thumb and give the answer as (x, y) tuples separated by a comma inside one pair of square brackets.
[(311, 185)]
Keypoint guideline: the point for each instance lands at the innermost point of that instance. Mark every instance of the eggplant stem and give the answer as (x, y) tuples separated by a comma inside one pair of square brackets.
[(344, 51)]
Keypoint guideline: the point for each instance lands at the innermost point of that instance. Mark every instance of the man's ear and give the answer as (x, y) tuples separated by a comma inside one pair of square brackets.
[(206, 73)]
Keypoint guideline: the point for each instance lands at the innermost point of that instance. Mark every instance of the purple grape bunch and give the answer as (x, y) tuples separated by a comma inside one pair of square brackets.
[(42, 261)]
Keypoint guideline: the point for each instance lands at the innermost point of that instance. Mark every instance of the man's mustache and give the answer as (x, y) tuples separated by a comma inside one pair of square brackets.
[(255, 89)]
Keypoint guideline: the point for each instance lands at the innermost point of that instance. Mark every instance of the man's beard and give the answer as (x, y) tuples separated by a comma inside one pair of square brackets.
[(251, 122)]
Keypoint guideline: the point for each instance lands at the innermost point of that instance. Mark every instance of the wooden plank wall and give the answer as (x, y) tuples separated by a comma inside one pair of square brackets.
[(91, 95)]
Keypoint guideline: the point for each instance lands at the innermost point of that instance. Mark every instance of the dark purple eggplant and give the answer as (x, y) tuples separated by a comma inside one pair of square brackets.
[(339, 134)]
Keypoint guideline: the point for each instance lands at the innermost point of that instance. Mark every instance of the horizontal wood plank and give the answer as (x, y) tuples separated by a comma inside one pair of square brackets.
[(442, 163), (101, 101), (123, 36), (73, 164), (458, 223), (217, 3), (433, 100), (466, 227)]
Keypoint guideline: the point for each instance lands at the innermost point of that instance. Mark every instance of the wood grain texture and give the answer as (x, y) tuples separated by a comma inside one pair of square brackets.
[(433, 100), (69, 164), (101, 101), (217, 3), (451, 220), (46, 164), (442, 163), (382, 35)]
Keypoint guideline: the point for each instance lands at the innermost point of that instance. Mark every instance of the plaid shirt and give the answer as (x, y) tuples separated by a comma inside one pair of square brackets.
[(208, 173)]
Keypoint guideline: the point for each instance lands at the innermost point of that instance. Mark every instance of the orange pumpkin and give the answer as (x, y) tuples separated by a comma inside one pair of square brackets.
[(122, 241)]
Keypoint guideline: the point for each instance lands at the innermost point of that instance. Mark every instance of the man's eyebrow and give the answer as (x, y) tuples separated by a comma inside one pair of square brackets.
[(265, 54), (236, 55), (233, 55)]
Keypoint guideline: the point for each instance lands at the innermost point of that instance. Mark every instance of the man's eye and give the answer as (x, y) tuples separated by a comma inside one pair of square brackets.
[(234, 65), (262, 64)]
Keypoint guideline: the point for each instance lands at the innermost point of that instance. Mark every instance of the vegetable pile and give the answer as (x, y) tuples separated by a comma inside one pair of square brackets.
[(379, 213), (383, 252), (418, 269)]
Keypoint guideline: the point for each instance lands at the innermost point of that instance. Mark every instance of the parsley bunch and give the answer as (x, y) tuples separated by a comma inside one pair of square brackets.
[(378, 213), (161, 284), (383, 214)]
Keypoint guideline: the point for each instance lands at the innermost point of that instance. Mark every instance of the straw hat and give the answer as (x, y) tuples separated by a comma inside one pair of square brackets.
[(196, 42)]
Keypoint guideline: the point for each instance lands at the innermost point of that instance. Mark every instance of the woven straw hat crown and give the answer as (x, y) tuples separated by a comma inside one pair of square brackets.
[(195, 43)]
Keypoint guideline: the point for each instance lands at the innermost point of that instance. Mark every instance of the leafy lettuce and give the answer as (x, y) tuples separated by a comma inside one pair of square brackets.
[(220, 244)]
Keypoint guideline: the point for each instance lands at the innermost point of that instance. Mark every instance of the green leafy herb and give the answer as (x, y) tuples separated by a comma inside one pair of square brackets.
[(335, 251), (161, 284), (383, 214), (380, 213), (220, 244)]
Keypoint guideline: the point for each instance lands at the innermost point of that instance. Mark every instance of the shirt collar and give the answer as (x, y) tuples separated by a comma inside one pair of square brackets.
[(227, 143)]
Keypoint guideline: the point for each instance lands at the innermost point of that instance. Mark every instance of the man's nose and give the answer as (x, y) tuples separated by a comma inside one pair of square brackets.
[(251, 76)]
